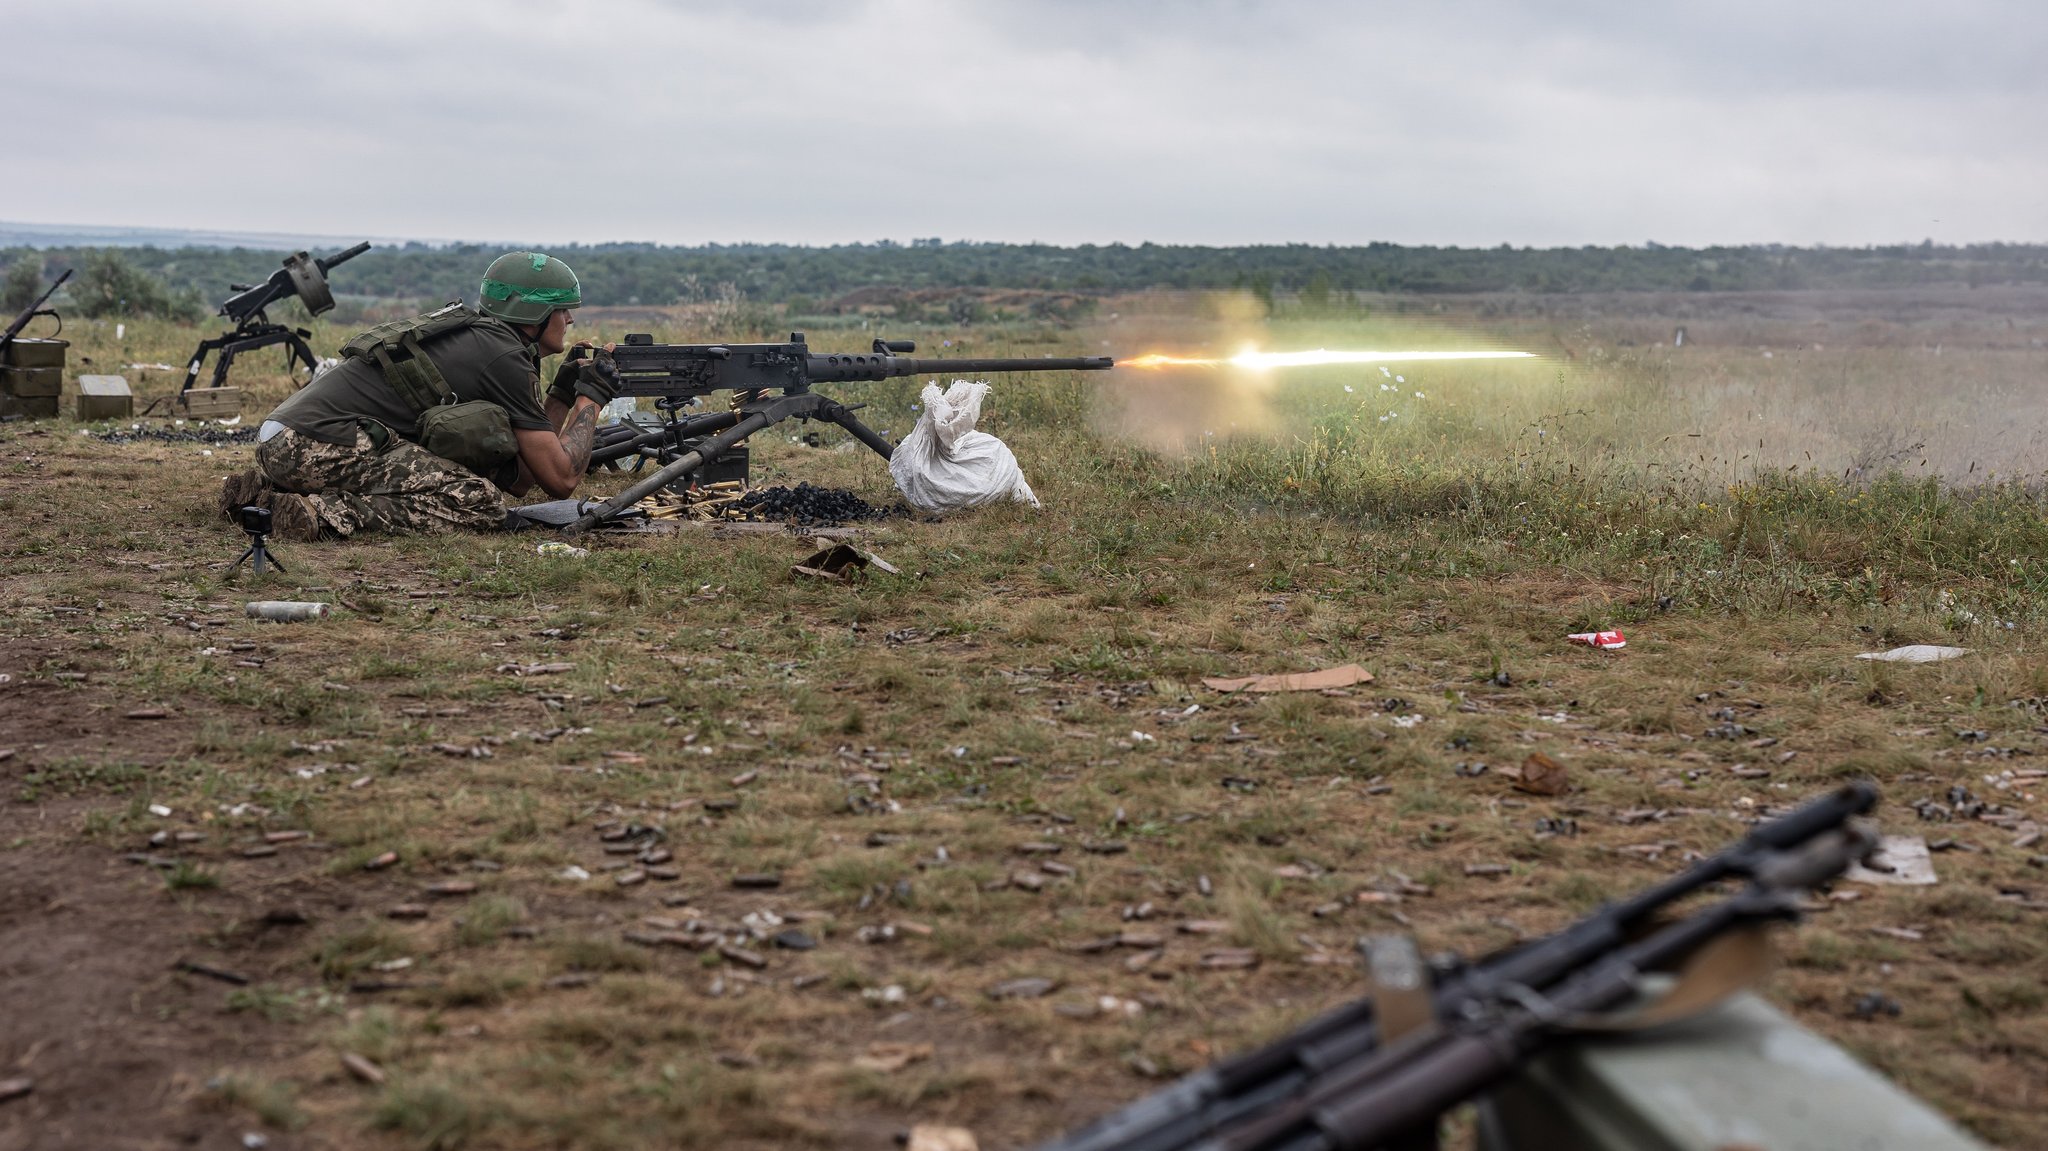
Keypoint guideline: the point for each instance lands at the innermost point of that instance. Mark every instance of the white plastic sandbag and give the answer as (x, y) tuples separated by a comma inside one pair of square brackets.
[(944, 464)]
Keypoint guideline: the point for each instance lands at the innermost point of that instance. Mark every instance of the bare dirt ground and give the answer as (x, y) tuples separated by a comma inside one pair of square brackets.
[(492, 830)]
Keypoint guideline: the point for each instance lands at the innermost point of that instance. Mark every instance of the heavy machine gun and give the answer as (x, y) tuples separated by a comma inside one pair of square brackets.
[(302, 276), (1377, 1073), (769, 383), (32, 311)]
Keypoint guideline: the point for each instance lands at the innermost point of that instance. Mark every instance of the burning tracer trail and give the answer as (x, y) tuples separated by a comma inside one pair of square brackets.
[(1261, 361)]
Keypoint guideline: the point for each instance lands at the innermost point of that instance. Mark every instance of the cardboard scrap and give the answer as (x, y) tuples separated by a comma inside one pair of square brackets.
[(1542, 775), (841, 561), (1916, 653), (1899, 861), (887, 1057), (838, 562), (1323, 680), (932, 1137)]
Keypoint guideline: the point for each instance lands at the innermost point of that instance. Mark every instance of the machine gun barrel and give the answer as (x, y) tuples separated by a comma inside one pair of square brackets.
[(678, 370), (342, 257), (838, 369)]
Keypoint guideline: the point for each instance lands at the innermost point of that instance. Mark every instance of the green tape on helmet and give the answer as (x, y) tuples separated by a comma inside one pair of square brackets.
[(555, 297), (525, 287)]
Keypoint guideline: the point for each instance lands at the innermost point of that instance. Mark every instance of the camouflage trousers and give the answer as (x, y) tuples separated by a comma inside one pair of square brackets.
[(402, 488)]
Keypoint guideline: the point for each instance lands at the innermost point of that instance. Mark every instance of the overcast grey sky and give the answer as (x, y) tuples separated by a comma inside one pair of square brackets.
[(1467, 122)]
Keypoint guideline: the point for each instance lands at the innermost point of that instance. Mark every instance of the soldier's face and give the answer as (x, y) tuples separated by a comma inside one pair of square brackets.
[(554, 335)]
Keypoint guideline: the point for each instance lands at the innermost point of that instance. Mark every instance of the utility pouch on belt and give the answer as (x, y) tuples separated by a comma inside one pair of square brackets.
[(476, 434)]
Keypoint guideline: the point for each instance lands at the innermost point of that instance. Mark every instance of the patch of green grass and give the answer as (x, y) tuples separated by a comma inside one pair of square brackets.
[(189, 876), (1244, 898), (485, 920), (274, 1101), (592, 953), (471, 989), (349, 950), (437, 1116), (2005, 996), (104, 825), (375, 1033), (67, 777), (280, 1005), (515, 817), (1821, 950), (378, 666)]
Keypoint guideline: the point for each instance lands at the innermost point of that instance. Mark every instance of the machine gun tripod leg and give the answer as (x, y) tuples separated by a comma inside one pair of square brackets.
[(758, 415)]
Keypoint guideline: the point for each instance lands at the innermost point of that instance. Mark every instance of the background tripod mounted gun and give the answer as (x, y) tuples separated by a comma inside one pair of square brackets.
[(302, 276)]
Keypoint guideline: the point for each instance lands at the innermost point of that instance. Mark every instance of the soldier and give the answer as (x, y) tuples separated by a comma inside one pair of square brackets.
[(426, 421)]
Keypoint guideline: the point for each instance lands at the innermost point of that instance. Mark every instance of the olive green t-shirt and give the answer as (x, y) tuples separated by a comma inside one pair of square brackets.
[(485, 361)]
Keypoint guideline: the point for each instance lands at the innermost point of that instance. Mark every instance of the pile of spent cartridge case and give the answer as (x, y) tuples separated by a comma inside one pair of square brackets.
[(719, 501)]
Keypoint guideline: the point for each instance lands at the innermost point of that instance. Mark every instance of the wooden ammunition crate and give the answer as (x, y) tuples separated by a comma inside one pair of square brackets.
[(27, 383), (104, 398), (36, 353), (211, 403)]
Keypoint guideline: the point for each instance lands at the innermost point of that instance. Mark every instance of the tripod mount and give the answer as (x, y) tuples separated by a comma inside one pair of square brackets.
[(256, 522), (302, 277)]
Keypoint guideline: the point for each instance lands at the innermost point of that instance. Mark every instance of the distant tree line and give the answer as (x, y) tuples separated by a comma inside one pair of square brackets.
[(105, 283), (181, 281)]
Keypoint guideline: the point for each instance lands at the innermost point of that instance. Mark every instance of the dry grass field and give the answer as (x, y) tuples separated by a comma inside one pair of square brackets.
[(664, 847)]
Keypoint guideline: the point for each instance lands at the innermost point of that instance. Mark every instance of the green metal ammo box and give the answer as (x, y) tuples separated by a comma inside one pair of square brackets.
[(24, 353), (24, 383), (27, 407), (104, 398), (1739, 1076), (31, 378)]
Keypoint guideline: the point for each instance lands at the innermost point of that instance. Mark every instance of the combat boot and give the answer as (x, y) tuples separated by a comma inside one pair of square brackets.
[(294, 517), (243, 489)]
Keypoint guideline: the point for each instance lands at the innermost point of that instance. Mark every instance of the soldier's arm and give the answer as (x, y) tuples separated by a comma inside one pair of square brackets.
[(522, 480), (561, 396), (557, 412), (556, 460)]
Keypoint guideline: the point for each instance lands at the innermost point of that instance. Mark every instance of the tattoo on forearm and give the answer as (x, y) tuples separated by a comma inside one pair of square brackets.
[(577, 435)]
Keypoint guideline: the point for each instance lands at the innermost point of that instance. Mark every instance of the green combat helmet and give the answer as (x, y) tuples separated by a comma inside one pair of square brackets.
[(525, 287)]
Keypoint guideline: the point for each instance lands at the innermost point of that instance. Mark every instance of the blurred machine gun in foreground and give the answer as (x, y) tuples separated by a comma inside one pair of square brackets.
[(770, 383), (302, 276), (1380, 1071)]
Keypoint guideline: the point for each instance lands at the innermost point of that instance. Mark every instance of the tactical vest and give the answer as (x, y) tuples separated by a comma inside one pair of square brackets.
[(476, 434)]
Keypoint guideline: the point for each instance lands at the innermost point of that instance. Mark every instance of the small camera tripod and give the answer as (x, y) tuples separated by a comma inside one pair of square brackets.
[(256, 521)]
